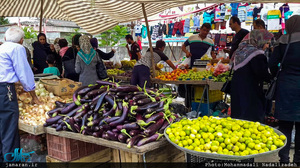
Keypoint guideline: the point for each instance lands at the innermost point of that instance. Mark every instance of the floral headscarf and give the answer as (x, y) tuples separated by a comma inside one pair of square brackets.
[(86, 52), (251, 46)]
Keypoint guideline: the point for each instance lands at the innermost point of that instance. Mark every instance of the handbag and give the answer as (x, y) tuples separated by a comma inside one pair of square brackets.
[(270, 94), (69, 67), (226, 88), (101, 70)]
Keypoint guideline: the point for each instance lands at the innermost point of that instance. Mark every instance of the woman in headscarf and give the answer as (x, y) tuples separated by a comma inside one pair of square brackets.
[(40, 51), (86, 61), (68, 59), (250, 71), (287, 95)]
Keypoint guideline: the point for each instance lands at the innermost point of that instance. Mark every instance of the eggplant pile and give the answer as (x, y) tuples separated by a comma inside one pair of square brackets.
[(126, 113)]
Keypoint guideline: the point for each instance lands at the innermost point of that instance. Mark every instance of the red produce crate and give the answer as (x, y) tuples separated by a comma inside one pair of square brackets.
[(66, 149)]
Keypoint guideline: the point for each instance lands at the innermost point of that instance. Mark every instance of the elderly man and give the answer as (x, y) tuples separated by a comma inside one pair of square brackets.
[(14, 67)]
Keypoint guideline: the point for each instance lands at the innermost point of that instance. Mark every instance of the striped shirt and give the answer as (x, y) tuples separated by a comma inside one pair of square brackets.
[(198, 47)]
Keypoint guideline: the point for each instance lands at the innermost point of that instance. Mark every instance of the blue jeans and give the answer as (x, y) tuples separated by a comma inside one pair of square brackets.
[(286, 128)]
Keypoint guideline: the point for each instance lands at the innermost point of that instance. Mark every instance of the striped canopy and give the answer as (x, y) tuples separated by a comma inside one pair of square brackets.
[(96, 16)]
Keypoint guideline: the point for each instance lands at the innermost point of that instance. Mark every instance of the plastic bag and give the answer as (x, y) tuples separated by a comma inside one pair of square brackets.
[(185, 64), (116, 61)]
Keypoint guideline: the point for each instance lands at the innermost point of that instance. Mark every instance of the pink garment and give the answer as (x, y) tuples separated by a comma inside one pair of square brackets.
[(140, 43), (62, 51)]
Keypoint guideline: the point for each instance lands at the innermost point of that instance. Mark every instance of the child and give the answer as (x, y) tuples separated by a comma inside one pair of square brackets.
[(51, 68)]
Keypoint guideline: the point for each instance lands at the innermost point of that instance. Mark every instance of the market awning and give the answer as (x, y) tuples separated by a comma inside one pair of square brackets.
[(96, 16)]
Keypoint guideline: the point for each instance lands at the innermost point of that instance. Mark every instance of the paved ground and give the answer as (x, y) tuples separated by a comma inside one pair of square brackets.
[(273, 157)]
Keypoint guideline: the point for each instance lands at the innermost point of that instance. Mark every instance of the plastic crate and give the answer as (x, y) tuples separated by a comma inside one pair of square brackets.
[(214, 95), (66, 149), (203, 108)]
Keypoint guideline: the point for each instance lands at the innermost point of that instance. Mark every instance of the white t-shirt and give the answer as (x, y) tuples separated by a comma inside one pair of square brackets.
[(138, 28)]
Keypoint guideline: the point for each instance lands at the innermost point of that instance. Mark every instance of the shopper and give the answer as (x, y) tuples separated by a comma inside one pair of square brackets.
[(14, 67), (63, 45), (235, 25), (134, 52), (250, 71), (287, 96), (86, 61), (259, 24), (69, 58), (199, 44), (51, 68), (141, 70)]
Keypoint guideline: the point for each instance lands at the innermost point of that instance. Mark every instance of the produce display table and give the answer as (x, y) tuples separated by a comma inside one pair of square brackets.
[(123, 78), (158, 151), (207, 84), (35, 130)]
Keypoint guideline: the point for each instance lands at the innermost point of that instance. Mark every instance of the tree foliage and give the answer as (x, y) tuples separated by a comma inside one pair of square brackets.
[(29, 33), (3, 21), (69, 37), (113, 36)]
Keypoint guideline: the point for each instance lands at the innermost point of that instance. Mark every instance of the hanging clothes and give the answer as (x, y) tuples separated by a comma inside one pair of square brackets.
[(178, 26), (155, 32), (171, 27), (223, 39), (138, 30), (273, 20), (234, 9), (283, 9), (227, 12), (207, 18), (256, 11), (264, 15), (186, 27), (160, 29), (164, 29), (249, 15), (144, 32), (196, 20), (242, 11)]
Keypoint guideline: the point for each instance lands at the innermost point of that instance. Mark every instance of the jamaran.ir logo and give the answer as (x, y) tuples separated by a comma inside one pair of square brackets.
[(17, 156)]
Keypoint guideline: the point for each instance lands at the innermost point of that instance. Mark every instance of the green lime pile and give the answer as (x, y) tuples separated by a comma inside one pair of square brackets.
[(193, 75), (114, 71), (225, 136)]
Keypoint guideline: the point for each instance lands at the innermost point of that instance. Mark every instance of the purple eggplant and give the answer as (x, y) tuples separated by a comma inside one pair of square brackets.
[(54, 125), (94, 93), (76, 96), (53, 120), (127, 88), (139, 97), (85, 101), (166, 123), (84, 91), (128, 97), (112, 135), (111, 112), (156, 109), (99, 102), (134, 140), (105, 127), (147, 106), (155, 117), (122, 137), (134, 132), (95, 128), (59, 104), (105, 135), (131, 126), (59, 127), (119, 127), (119, 104), (144, 101), (98, 134), (152, 138), (115, 130), (122, 94), (65, 128), (72, 123), (106, 83), (109, 99), (77, 127), (154, 127), (94, 122), (108, 120), (123, 117), (57, 110), (69, 108)]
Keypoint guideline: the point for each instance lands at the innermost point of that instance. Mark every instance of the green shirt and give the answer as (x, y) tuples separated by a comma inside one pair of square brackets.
[(52, 70)]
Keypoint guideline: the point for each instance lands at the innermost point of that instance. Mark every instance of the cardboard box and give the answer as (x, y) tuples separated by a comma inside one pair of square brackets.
[(61, 87)]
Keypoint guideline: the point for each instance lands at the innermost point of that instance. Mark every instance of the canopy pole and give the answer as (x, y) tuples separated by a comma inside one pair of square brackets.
[(172, 52), (41, 16), (149, 39)]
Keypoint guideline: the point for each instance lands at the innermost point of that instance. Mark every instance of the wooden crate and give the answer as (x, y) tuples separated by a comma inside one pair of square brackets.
[(35, 130), (99, 157), (165, 154)]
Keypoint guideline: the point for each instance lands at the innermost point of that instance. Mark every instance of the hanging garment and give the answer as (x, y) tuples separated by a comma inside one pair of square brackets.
[(144, 32), (227, 12), (256, 11), (164, 29), (234, 9), (273, 20), (218, 15), (217, 39), (223, 39), (196, 20), (155, 32), (284, 8), (178, 26), (207, 18), (264, 15), (249, 15), (160, 29), (242, 13), (138, 30), (186, 27), (171, 27)]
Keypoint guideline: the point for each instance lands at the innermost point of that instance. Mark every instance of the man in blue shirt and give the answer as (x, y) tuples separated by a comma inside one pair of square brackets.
[(14, 67), (199, 44)]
